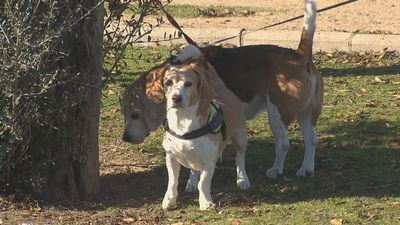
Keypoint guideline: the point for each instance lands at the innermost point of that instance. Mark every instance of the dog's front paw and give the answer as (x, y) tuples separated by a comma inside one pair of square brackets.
[(204, 205), (243, 183), (303, 172), (272, 173), (168, 202)]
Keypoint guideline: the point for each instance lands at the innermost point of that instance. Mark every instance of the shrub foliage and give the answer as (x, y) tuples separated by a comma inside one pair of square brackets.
[(36, 79), (33, 66)]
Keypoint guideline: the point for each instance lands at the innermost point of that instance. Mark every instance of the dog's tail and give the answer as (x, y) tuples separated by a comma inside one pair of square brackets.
[(307, 36), (190, 51)]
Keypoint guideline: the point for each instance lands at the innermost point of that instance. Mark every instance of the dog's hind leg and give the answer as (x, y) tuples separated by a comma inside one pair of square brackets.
[(310, 141), (191, 185), (173, 168), (239, 140), (279, 131)]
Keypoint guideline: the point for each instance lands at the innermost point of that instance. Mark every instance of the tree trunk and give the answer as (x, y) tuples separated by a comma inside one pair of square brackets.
[(75, 172)]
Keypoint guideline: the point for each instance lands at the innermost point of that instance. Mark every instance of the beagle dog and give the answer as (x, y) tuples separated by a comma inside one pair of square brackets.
[(281, 81), (202, 115), (141, 114)]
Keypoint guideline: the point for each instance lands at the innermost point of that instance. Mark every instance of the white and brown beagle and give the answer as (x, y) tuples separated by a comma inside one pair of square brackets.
[(202, 116), (281, 81)]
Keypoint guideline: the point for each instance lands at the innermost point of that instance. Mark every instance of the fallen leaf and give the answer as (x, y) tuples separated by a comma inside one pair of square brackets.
[(372, 215), (235, 221), (363, 90), (378, 80), (11, 198), (36, 209), (394, 143), (115, 110), (371, 104), (396, 96), (285, 189), (128, 220), (336, 221), (252, 209), (178, 223), (110, 92)]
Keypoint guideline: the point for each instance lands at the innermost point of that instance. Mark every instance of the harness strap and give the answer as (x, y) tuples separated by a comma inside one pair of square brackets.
[(216, 125)]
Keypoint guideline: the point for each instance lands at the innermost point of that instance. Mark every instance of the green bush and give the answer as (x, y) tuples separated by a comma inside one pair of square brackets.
[(33, 72), (38, 89)]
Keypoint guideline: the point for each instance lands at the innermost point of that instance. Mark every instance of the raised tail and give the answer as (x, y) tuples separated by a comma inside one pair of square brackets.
[(307, 35), (190, 51)]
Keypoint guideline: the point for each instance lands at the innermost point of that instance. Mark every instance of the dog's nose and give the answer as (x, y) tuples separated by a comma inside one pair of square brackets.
[(176, 98)]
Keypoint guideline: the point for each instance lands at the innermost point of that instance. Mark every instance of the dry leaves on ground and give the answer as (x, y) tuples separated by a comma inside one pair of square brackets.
[(336, 221)]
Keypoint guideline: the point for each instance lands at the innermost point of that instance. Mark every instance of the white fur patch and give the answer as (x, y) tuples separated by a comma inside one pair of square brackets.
[(309, 16), (281, 140)]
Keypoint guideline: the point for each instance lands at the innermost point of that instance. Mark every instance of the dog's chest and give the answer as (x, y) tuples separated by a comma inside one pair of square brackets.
[(193, 153)]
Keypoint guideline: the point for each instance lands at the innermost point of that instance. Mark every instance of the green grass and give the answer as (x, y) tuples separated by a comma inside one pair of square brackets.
[(357, 161)]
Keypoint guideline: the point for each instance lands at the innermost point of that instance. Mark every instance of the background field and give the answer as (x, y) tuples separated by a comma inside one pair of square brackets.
[(365, 16), (357, 178)]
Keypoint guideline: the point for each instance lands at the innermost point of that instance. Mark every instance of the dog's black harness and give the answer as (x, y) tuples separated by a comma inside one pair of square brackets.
[(214, 126)]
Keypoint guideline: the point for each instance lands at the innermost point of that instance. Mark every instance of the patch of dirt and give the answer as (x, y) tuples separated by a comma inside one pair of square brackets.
[(366, 16)]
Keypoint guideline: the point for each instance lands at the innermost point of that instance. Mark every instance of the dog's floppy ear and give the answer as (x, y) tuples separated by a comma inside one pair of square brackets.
[(199, 61), (154, 83), (205, 84)]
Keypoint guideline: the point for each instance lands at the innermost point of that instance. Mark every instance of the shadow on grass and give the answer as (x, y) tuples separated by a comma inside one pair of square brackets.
[(137, 189), (133, 189), (352, 159), (365, 71)]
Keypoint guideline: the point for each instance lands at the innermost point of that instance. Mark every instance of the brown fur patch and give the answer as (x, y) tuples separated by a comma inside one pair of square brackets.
[(154, 83), (205, 88)]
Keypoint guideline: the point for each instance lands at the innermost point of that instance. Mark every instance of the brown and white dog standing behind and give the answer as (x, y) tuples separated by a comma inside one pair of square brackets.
[(191, 90), (282, 81)]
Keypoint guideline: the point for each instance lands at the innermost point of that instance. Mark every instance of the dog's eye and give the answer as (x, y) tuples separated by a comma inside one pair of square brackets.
[(135, 116), (187, 84), (168, 83)]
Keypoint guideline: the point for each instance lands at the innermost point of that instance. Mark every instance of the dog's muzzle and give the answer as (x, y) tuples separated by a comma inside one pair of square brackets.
[(128, 138), (176, 101)]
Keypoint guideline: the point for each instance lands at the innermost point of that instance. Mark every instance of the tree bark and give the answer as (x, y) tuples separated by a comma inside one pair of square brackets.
[(75, 172)]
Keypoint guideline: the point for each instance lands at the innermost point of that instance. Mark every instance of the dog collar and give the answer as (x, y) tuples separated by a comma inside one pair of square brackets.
[(173, 61), (215, 124)]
